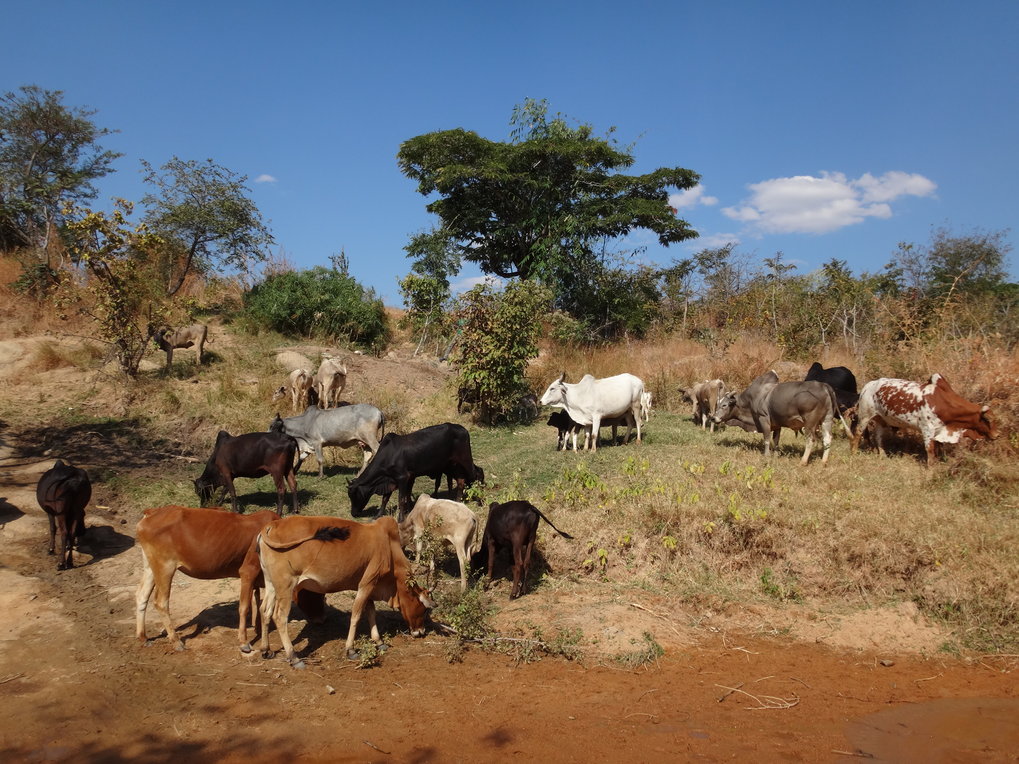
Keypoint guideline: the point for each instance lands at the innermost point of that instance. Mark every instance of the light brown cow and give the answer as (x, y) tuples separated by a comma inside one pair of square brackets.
[(704, 396), (331, 554), (201, 543), (449, 520), (185, 337), (330, 380), (299, 384)]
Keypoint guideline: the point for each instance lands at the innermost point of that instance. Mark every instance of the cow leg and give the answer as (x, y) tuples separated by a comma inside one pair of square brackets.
[(163, 579), (53, 531), (169, 359), (366, 457), (292, 484), (462, 555), (527, 561), (279, 606), (361, 600), (65, 561), (808, 446), (931, 453), (141, 597), (826, 435), (595, 427), (320, 455), (280, 491), (491, 558), (635, 410), (201, 349)]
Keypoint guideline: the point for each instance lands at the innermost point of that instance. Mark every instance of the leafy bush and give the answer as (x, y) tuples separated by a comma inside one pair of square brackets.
[(321, 301), (498, 333)]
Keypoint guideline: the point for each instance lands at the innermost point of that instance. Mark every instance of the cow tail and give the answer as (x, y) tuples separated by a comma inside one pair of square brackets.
[(561, 533), (835, 404), (329, 533)]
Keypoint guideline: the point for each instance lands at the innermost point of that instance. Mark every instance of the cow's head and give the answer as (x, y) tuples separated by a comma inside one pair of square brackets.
[(725, 408), (279, 392), (413, 602), (555, 393), (983, 427), (277, 424), (205, 486)]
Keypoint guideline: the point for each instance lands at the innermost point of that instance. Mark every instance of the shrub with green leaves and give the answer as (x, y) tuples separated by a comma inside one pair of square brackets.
[(498, 334), (323, 302)]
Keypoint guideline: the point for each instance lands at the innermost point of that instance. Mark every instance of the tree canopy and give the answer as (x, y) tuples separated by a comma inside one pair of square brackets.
[(49, 158), (539, 205), (205, 209)]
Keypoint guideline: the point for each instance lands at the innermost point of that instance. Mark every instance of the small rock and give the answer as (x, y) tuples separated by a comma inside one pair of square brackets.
[(887, 662), (330, 689)]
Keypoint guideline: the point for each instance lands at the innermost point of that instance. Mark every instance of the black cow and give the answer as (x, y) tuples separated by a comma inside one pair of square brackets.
[(62, 492), (442, 449), (251, 455), (566, 427), (513, 524), (841, 380)]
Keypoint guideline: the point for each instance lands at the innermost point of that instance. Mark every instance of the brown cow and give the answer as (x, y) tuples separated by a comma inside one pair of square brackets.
[(331, 554), (206, 544), (704, 396), (187, 336), (939, 413)]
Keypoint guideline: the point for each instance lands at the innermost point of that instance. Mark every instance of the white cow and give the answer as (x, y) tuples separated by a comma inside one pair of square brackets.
[(590, 400), (645, 405)]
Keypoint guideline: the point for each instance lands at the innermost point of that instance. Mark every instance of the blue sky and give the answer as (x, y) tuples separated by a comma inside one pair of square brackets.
[(819, 130)]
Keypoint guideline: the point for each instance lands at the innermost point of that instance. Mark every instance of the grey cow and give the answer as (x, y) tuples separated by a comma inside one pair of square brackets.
[(769, 405), (358, 425)]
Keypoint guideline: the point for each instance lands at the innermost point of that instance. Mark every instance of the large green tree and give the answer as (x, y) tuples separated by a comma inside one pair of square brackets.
[(206, 210), (542, 204), (49, 157)]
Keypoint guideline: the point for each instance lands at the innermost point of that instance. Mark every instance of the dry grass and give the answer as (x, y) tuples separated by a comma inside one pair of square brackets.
[(701, 517)]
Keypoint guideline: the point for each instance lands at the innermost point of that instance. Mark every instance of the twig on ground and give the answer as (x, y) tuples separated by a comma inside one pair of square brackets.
[(939, 674), (372, 745), (763, 701), (730, 692), (11, 678), (857, 754), (657, 615)]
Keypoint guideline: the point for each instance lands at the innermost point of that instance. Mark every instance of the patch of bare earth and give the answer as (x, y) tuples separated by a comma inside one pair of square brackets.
[(76, 685)]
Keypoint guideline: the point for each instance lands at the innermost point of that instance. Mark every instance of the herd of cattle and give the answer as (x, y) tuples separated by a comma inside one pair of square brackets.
[(298, 559)]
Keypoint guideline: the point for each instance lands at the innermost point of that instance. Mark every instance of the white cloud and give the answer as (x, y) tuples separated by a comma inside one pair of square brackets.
[(470, 282), (807, 204), (264, 178), (691, 197), (713, 241)]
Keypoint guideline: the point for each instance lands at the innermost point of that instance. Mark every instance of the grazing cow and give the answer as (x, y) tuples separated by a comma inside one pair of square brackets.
[(590, 400), (358, 425), (330, 381), (513, 524), (432, 451), (201, 543), (330, 554), (251, 455), (770, 405), (704, 396), (169, 339), (447, 519), (939, 413), (841, 380), (62, 492), (299, 384)]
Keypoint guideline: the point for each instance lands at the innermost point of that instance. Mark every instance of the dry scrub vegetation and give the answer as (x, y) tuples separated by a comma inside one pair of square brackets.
[(703, 519)]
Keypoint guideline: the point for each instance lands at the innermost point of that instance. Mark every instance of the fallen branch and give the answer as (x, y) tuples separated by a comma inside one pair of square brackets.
[(372, 745), (857, 754), (763, 701), (730, 692), (11, 678)]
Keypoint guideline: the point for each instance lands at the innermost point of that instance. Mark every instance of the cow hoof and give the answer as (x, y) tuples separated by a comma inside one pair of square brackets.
[(297, 664), (382, 647), (246, 649), (179, 647), (267, 654), (353, 655)]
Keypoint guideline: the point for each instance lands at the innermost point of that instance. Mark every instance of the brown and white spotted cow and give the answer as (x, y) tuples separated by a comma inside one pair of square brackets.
[(939, 413)]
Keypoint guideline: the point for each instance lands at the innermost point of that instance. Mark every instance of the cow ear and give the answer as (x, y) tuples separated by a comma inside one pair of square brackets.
[(562, 377)]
